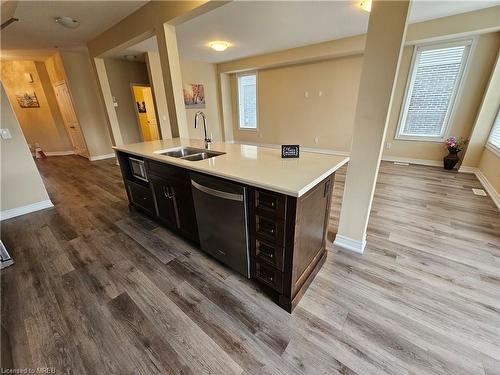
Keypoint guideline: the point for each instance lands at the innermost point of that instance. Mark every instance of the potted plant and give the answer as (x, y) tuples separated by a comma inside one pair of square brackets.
[(454, 146)]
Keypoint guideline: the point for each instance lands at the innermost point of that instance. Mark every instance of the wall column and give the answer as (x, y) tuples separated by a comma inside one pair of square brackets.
[(102, 77), (172, 79), (384, 44), (484, 120), (156, 80)]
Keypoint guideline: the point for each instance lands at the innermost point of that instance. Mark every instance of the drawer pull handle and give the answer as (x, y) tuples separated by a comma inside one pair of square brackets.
[(166, 193)]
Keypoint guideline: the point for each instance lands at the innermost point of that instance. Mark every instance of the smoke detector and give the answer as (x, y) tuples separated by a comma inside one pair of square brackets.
[(67, 22)]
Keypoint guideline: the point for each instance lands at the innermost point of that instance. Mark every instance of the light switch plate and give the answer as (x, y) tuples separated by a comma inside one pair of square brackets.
[(5, 133)]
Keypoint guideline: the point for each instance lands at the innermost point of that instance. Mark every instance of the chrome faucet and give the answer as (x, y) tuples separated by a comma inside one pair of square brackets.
[(200, 113)]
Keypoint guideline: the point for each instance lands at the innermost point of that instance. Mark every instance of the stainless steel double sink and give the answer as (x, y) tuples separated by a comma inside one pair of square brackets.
[(189, 153)]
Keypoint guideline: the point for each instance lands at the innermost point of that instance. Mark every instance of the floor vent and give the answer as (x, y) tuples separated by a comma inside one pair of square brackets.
[(401, 163), (480, 192), (6, 260)]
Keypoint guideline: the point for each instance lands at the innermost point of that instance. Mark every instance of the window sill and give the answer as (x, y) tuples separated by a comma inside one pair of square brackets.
[(248, 129), (495, 150), (419, 139)]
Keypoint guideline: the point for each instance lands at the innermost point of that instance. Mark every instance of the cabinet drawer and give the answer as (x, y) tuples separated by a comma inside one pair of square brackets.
[(266, 252), (268, 276), (165, 170), (141, 196), (269, 203), (270, 229)]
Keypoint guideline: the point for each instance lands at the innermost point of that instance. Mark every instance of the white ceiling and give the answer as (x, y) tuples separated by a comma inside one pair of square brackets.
[(36, 34), (257, 27)]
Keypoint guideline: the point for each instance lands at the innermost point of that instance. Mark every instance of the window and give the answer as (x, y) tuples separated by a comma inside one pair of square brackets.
[(435, 78), (494, 139), (247, 101)]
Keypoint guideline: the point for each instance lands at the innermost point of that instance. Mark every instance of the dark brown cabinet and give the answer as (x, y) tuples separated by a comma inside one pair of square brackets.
[(165, 195), (140, 196), (287, 234), (166, 203), (287, 246)]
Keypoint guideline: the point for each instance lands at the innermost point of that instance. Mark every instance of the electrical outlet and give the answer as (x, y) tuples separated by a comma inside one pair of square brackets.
[(316, 139), (5, 133), (387, 145)]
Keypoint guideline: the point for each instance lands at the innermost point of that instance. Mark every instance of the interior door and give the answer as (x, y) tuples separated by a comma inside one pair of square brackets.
[(151, 113), (70, 120)]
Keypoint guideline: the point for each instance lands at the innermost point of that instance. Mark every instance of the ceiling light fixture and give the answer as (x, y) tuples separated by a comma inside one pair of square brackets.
[(67, 22), (366, 5), (130, 57), (219, 45)]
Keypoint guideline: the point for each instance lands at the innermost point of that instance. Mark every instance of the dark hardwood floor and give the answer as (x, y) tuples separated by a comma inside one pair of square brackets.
[(96, 289)]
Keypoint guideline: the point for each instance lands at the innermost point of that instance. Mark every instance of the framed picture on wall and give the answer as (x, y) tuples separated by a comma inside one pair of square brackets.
[(194, 95), (27, 99), (141, 107)]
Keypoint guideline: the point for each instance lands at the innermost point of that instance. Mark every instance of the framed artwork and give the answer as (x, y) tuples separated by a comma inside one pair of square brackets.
[(27, 99), (194, 95), (141, 107)]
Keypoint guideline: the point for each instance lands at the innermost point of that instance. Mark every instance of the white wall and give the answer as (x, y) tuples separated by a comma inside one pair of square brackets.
[(88, 106), (21, 187)]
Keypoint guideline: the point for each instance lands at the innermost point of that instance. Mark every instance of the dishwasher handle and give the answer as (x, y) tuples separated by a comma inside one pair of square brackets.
[(217, 193)]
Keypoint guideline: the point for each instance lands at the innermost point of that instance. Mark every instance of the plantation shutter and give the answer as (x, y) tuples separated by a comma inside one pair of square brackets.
[(494, 138)]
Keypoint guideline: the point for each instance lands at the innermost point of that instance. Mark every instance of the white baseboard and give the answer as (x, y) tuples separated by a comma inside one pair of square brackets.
[(23, 210), (59, 153), (350, 244), (431, 163), (495, 196), (465, 169), (102, 157)]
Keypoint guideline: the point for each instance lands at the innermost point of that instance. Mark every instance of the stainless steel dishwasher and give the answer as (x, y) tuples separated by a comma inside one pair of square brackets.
[(221, 214)]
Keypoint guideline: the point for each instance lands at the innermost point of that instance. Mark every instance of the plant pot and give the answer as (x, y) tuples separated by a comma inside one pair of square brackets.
[(450, 160)]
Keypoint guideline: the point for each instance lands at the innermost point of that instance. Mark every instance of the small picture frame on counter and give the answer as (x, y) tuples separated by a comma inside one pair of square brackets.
[(290, 151)]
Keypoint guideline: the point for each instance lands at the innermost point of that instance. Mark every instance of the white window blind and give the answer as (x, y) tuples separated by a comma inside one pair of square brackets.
[(247, 101), (494, 138), (431, 93)]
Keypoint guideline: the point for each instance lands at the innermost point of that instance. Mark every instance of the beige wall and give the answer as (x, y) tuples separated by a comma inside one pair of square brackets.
[(121, 74), (286, 115), (86, 97), (480, 66), (489, 165), (484, 120), (206, 74), (39, 125), (21, 184), (159, 95)]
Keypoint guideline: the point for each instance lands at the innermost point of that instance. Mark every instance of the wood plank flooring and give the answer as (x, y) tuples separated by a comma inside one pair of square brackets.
[(96, 289)]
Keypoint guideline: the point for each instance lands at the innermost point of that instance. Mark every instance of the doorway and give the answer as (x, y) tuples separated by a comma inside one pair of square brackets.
[(146, 112), (70, 120)]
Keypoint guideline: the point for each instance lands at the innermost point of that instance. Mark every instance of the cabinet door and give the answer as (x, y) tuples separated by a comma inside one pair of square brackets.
[(140, 196), (166, 205), (185, 207)]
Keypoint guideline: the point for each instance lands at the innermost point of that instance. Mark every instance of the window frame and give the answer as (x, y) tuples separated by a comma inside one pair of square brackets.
[(490, 146), (249, 73), (455, 97)]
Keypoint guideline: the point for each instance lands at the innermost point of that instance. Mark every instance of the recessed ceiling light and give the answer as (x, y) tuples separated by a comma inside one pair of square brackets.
[(67, 22), (219, 45), (130, 57), (366, 5)]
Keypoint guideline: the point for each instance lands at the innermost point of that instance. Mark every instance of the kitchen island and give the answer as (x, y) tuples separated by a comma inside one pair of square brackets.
[(264, 216)]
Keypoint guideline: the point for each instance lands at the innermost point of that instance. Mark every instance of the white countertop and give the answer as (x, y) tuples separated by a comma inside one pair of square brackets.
[(252, 165)]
